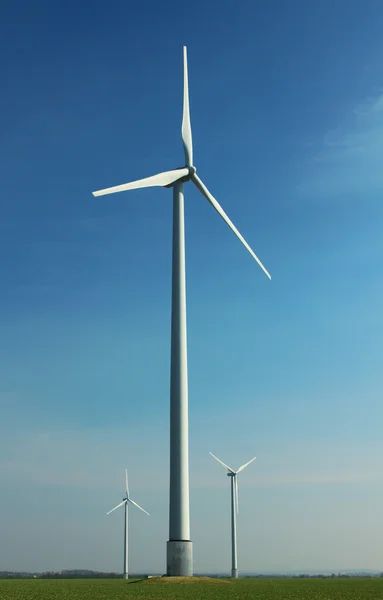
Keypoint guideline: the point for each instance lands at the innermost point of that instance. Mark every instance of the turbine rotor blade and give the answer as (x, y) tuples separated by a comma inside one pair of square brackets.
[(222, 463), (186, 127), (126, 483), (162, 180), (246, 465), (118, 506), (138, 506), (203, 189), (236, 493)]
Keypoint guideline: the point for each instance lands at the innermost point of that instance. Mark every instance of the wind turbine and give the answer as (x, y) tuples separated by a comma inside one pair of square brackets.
[(179, 546), (234, 510), (124, 503)]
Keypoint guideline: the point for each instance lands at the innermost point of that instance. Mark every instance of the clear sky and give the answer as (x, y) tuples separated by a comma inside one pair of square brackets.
[(287, 115)]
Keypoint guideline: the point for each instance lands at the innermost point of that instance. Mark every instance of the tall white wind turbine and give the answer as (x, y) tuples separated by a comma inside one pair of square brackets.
[(124, 503), (179, 546), (234, 510)]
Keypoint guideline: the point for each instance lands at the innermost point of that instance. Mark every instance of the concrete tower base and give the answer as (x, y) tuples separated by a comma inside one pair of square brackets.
[(234, 573), (179, 558)]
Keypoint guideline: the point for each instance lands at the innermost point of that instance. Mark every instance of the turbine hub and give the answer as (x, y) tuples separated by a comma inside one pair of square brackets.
[(192, 171)]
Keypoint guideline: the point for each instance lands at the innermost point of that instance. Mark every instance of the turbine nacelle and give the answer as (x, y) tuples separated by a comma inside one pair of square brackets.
[(191, 171)]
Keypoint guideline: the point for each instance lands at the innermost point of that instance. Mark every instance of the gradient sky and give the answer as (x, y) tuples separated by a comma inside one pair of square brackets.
[(287, 116)]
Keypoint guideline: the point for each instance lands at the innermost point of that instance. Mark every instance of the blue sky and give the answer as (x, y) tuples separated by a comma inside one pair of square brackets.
[(287, 116)]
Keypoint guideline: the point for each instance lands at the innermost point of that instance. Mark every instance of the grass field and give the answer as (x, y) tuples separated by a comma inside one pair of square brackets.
[(259, 589)]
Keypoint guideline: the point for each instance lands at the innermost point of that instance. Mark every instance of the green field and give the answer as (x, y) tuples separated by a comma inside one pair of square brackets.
[(262, 589)]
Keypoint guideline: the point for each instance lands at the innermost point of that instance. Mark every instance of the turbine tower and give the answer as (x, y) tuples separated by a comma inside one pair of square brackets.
[(124, 503), (179, 547), (234, 511)]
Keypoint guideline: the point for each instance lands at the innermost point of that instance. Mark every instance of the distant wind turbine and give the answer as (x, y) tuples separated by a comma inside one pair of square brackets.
[(179, 547), (234, 510), (125, 504)]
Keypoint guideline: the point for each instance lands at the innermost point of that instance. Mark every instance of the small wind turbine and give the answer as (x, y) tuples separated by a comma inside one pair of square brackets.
[(179, 547), (125, 504), (234, 510)]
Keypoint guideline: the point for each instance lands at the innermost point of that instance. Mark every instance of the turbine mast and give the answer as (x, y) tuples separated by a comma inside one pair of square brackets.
[(126, 567), (234, 558), (179, 546)]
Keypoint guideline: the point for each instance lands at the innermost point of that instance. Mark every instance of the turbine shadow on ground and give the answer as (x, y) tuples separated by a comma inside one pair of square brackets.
[(179, 580)]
